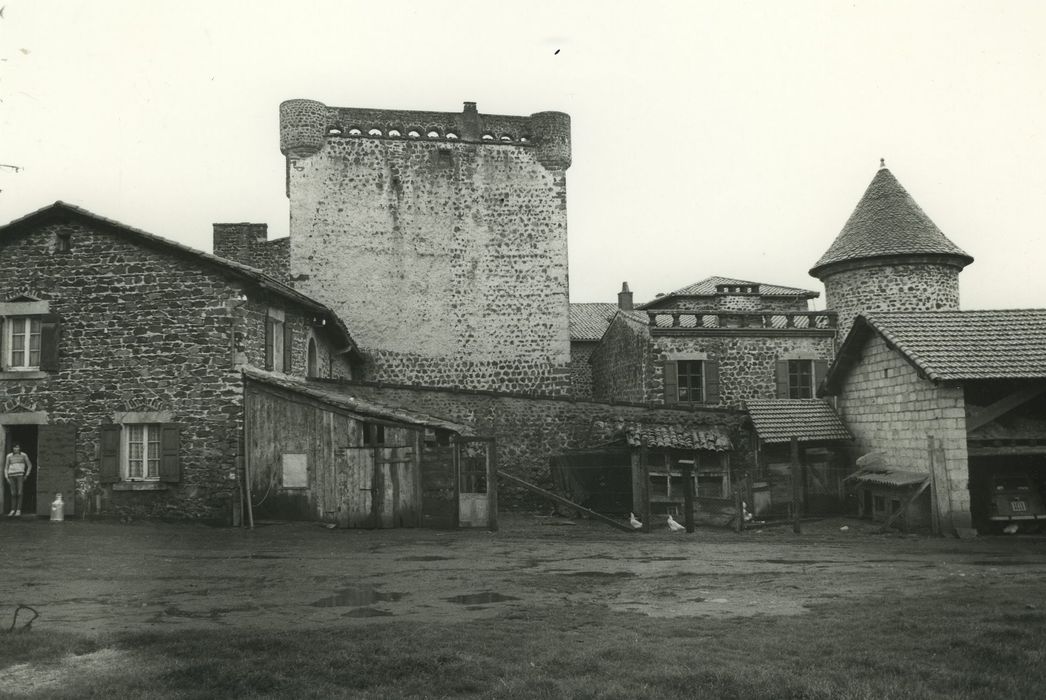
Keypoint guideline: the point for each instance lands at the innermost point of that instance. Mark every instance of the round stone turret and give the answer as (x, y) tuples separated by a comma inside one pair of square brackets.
[(889, 257), (551, 131), (303, 127)]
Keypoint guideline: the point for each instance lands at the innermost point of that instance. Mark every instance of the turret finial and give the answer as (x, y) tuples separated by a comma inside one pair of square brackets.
[(882, 162)]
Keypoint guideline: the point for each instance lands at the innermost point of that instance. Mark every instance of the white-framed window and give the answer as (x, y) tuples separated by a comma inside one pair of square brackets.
[(141, 452), (22, 342)]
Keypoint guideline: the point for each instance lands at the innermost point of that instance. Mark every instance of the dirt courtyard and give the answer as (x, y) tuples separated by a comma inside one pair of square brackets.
[(95, 577)]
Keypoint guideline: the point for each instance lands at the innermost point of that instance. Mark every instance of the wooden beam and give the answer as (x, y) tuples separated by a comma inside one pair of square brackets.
[(904, 506), (620, 525), (989, 450), (1003, 406)]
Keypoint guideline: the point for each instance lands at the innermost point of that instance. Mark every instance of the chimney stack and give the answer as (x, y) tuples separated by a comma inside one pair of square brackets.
[(624, 298)]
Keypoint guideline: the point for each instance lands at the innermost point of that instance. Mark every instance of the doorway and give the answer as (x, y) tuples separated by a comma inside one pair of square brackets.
[(26, 436)]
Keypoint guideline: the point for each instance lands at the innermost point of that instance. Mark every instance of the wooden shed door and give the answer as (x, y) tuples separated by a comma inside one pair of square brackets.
[(382, 488), (476, 483), (56, 465)]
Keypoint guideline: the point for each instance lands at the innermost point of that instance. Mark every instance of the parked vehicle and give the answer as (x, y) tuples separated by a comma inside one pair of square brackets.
[(1016, 501)]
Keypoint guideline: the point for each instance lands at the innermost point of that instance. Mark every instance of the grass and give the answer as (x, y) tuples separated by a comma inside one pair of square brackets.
[(962, 643)]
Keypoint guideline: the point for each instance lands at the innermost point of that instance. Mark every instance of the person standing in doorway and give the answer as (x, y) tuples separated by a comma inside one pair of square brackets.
[(16, 468)]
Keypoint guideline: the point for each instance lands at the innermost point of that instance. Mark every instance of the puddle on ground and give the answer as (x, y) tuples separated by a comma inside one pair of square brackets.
[(355, 597), (433, 557), (479, 598), (1003, 562), (261, 556), (367, 612), (796, 561), (602, 574)]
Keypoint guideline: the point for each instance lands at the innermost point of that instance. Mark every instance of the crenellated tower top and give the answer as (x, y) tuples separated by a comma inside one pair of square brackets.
[(306, 125)]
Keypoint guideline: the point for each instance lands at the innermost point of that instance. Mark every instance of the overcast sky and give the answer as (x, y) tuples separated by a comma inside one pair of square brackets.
[(709, 138)]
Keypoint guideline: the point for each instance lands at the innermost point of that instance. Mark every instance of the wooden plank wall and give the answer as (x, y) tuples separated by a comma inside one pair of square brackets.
[(350, 484)]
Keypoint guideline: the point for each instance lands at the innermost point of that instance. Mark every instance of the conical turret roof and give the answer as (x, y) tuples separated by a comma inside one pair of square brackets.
[(888, 223)]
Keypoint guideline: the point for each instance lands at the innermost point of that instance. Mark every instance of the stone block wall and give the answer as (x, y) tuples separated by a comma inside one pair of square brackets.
[(446, 257), (747, 362), (530, 430), (629, 363), (891, 410), (895, 287), (141, 331), (621, 363), (580, 369), (249, 244)]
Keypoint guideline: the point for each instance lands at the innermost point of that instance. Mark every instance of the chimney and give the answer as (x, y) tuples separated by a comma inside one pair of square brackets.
[(624, 298)]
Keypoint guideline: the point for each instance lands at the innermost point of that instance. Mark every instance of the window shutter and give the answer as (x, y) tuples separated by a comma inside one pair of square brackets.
[(49, 331), (269, 330), (671, 383), (820, 370), (288, 347), (170, 452), (109, 453), (711, 372), (782, 379)]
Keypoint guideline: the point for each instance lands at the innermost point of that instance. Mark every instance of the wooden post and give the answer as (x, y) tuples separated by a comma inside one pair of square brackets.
[(644, 471), (935, 510), (796, 487), (688, 494), (739, 522)]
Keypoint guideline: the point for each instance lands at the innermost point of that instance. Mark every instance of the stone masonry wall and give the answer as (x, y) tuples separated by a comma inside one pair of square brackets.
[(621, 363), (580, 369), (747, 363), (447, 258), (248, 244), (898, 287), (891, 410), (140, 331), (530, 430)]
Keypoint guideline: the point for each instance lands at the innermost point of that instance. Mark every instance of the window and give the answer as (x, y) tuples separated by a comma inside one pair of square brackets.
[(373, 435), (23, 343), (140, 452), (799, 378), (312, 365), (691, 382), (30, 336), (279, 342)]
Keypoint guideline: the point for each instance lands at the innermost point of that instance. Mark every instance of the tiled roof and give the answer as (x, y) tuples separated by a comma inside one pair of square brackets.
[(589, 320), (890, 477), (959, 345), (343, 397), (888, 222), (779, 420), (677, 436), (62, 210), (707, 288)]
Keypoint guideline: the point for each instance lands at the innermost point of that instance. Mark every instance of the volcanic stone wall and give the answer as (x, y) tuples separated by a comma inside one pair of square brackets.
[(917, 286), (248, 244), (146, 332), (445, 252), (530, 430), (629, 363)]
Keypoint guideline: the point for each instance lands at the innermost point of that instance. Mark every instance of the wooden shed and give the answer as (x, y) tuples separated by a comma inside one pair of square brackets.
[(316, 452)]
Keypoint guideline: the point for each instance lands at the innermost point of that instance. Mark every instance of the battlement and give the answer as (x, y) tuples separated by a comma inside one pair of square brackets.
[(305, 126)]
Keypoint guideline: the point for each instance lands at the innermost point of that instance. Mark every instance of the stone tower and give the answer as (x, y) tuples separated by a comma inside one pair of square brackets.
[(889, 257), (440, 239)]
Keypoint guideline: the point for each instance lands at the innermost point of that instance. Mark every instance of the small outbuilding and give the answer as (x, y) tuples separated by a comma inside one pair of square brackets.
[(314, 451)]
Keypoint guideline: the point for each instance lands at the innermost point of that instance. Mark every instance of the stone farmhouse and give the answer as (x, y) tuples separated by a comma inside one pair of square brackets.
[(413, 335)]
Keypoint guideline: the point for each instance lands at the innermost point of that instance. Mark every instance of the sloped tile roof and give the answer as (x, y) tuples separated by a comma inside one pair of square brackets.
[(888, 222), (961, 345), (677, 436), (63, 210), (890, 477), (707, 288), (589, 320), (779, 420), (343, 397)]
